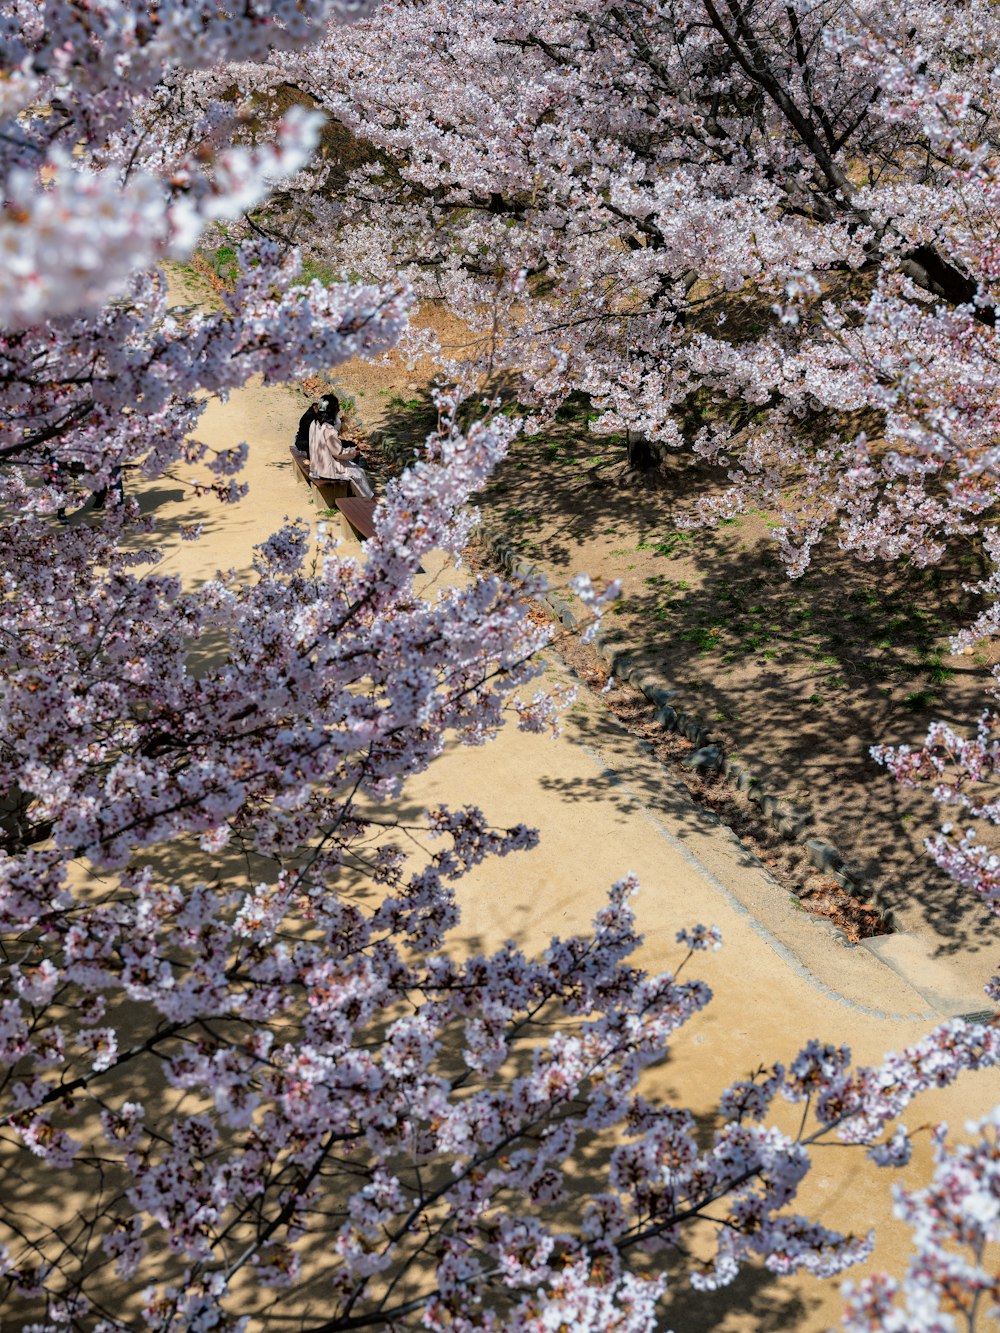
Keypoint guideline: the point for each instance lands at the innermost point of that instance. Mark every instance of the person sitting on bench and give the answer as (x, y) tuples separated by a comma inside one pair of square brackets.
[(329, 458)]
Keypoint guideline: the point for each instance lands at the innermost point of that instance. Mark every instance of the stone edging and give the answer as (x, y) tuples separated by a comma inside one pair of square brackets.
[(791, 822)]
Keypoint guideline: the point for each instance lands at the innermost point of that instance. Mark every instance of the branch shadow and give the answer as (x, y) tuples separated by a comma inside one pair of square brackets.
[(799, 678)]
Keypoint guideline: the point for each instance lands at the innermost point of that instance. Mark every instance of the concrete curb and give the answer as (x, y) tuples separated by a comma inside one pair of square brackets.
[(792, 822), (505, 555)]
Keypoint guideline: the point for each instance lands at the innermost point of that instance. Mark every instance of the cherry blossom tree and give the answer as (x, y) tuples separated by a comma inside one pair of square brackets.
[(963, 773), (242, 1062), (764, 231), (952, 1279)]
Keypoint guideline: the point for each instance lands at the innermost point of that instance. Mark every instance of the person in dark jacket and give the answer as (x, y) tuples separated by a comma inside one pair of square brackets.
[(311, 414)]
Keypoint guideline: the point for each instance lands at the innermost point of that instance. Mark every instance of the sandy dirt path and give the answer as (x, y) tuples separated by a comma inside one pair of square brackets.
[(604, 806)]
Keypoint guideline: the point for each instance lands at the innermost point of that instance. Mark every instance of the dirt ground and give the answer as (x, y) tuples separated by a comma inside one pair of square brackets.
[(797, 678), (786, 860)]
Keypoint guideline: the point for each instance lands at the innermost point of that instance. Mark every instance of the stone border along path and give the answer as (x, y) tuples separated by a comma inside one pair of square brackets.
[(791, 822)]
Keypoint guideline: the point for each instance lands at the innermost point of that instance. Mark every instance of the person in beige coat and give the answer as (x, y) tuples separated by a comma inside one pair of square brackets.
[(329, 458)]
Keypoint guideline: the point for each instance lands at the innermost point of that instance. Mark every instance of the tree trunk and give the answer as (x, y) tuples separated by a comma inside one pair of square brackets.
[(641, 455)]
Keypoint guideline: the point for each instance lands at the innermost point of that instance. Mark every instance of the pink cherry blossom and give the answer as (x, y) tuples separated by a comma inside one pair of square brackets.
[(242, 1077)]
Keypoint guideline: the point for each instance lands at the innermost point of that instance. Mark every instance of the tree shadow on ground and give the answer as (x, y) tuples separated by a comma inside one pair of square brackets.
[(406, 421), (646, 788), (406, 424), (801, 681), (800, 678)]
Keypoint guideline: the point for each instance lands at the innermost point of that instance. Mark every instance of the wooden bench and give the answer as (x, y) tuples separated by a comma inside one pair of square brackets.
[(359, 515), (329, 491), (301, 462)]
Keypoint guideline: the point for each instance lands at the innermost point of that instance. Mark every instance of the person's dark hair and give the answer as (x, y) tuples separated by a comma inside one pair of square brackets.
[(329, 408)]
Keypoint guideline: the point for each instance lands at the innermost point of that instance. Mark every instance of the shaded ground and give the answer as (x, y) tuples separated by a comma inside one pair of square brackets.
[(786, 860), (797, 678)]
